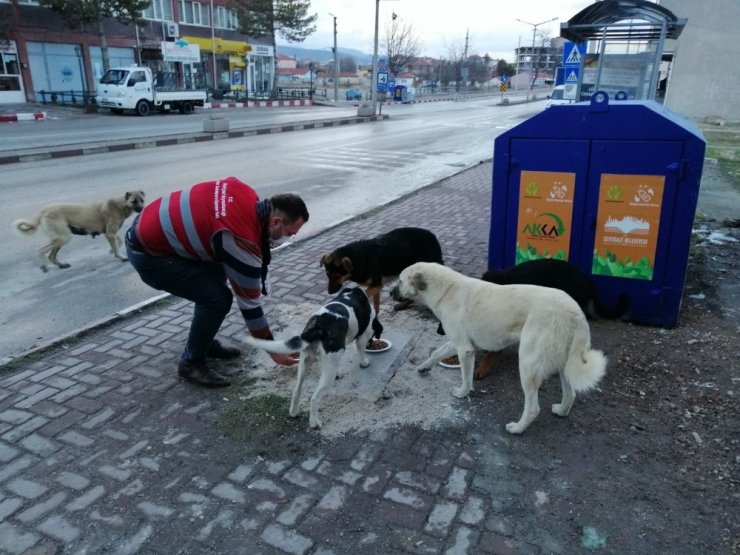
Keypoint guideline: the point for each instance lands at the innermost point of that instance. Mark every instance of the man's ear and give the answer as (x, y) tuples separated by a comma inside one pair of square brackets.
[(419, 282)]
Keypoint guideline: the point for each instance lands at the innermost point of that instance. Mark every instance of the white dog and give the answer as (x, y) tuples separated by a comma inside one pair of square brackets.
[(60, 221), (551, 330), (347, 317)]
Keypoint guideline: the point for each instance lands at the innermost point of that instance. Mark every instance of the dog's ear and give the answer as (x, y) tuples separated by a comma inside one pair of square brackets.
[(325, 260), (347, 264), (419, 282)]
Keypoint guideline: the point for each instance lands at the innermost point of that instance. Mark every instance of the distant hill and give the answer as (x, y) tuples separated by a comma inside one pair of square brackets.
[(323, 55)]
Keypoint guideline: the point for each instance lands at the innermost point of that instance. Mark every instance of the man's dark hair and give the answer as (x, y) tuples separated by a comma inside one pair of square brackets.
[(292, 206)]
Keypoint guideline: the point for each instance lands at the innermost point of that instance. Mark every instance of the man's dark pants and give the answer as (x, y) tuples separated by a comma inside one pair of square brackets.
[(203, 283)]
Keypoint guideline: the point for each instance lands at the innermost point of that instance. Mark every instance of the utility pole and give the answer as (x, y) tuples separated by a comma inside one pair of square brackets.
[(336, 61)]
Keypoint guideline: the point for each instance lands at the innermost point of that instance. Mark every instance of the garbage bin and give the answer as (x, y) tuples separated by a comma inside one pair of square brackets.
[(398, 93), (609, 187)]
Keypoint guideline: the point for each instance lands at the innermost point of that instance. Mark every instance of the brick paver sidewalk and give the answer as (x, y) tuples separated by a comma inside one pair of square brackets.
[(104, 449)]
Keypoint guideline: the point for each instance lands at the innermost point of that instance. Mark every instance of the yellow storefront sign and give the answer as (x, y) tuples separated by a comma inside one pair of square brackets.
[(221, 46)]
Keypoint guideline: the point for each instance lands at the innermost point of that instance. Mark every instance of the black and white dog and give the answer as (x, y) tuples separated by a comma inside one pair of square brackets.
[(347, 317)]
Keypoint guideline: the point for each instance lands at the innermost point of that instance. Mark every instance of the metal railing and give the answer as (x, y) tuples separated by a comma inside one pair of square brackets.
[(69, 98)]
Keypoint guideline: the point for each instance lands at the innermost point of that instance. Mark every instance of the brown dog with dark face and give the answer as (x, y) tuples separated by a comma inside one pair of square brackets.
[(374, 262), (63, 220)]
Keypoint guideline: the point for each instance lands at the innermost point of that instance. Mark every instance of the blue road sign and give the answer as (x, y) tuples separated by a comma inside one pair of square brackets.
[(573, 53), (504, 78), (382, 83)]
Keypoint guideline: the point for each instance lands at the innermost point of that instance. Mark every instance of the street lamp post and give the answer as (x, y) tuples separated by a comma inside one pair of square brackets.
[(310, 76), (374, 80), (336, 61), (534, 34), (78, 52)]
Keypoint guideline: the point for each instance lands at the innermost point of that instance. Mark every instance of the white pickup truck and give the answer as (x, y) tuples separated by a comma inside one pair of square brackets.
[(135, 88)]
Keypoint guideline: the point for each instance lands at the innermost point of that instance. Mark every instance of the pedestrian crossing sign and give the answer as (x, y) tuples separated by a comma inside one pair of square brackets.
[(572, 76), (574, 58), (573, 53)]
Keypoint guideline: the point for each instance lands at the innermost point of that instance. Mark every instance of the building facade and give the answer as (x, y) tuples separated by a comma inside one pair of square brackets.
[(699, 83), (197, 42)]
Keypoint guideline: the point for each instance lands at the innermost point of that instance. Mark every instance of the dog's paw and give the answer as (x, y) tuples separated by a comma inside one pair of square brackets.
[(293, 411), (515, 428), (64, 265), (560, 410), (460, 392), (423, 370), (123, 259), (315, 422), (364, 363)]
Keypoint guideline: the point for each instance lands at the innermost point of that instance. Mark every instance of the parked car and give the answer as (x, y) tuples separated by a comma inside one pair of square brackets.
[(555, 98), (354, 94)]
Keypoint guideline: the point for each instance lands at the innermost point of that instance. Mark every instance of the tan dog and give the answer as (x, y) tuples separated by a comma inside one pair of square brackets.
[(551, 330), (61, 221)]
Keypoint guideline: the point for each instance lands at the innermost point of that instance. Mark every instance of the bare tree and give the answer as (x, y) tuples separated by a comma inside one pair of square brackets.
[(401, 45), (347, 64), (540, 57), (456, 57)]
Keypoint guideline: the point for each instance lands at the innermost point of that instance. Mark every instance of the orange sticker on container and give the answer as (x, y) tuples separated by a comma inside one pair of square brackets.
[(545, 215), (627, 225)]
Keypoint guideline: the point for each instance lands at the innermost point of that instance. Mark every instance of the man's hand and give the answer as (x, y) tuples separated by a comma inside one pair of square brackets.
[(285, 360)]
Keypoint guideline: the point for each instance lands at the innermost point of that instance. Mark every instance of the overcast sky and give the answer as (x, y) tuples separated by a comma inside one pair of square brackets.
[(441, 25)]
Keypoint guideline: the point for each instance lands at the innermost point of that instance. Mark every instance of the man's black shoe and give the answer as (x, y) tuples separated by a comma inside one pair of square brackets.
[(199, 373), (217, 350)]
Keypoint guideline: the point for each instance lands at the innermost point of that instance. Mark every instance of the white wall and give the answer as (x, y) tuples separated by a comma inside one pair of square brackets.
[(705, 80)]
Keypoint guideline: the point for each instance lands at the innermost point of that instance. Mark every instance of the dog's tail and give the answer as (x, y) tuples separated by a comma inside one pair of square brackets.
[(611, 312), (26, 226), (293, 345), (585, 366)]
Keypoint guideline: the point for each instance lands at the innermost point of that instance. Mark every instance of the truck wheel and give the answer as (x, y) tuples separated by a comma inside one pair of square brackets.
[(186, 107), (116, 111), (143, 108)]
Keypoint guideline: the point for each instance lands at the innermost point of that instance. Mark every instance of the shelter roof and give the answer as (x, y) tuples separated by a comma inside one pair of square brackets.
[(622, 20)]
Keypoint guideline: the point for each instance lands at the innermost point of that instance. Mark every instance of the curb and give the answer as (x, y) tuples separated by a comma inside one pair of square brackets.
[(51, 153), (22, 116), (93, 326), (257, 104)]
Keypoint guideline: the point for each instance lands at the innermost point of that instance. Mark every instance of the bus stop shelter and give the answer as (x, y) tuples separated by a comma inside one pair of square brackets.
[(626, 40)]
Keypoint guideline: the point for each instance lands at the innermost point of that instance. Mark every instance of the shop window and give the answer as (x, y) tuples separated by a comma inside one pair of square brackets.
[(193, 13), (9, 64), (226, 18), (158, 10)]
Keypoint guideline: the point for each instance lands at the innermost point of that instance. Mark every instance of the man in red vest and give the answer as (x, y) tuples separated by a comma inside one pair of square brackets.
[(191, 242)]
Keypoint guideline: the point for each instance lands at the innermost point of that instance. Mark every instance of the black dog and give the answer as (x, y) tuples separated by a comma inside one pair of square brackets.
[(559, 274), (374, 262)]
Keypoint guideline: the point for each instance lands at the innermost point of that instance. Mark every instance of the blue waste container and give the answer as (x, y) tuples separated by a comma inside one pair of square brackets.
[(608, 186)]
